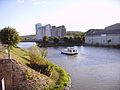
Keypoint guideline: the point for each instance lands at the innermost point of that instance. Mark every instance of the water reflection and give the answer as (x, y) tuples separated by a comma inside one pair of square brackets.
[(26, 44)]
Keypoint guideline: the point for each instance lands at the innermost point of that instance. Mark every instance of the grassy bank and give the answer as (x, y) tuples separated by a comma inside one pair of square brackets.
[(36, 61)]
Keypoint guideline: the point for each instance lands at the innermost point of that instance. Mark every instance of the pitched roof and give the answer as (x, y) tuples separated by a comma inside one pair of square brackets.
[(92, 32), (115, 31), (112, 27)]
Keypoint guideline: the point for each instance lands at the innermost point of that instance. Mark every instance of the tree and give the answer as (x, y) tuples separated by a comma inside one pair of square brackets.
[(77, 39), (65, 39), (45, 39), (71, 40), (56, 40), (9, 37)]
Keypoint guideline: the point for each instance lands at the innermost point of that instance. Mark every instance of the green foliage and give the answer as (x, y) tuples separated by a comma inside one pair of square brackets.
[(59, 77), (71, 40), (65, 39), (63, 79), (21, 55), (75, 33), (38, 62), (78, 37), (27, 75), (56, 40), (43, 52), (45, 39), (51, 38), (37, 56), (45, 67), (9, 36)]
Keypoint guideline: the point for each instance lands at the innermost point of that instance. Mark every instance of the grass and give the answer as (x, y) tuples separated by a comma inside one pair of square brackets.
[(59, 76), (63, 79), (20, 55)]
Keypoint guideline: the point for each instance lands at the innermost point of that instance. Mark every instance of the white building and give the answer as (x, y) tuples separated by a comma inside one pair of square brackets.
[(49, 31), (38, 31), (108, 36), (58, 31), (42, 31)]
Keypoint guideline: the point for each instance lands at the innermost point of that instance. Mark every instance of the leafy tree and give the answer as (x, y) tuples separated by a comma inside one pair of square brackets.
[(45, 39), (71, 40), (50, 38), (78, 39), (9, 37), (65, 39), (56, 40), (82, 38)]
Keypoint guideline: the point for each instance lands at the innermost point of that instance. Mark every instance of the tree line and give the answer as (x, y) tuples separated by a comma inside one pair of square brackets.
[(66, 40)]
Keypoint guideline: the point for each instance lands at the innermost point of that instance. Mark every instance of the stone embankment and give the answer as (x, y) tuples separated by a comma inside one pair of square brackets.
[(14, 75)]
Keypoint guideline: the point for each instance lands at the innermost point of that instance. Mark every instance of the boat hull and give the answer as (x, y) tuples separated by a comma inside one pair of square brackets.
[(69, 53)]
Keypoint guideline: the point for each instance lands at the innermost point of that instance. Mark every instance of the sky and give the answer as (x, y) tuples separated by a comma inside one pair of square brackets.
[(76, 15)]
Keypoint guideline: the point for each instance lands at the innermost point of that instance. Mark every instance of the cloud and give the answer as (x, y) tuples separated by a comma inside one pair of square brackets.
[(20, 1)]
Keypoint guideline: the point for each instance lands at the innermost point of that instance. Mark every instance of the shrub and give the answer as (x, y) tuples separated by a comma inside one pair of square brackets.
[(37, 56), (27, 75)]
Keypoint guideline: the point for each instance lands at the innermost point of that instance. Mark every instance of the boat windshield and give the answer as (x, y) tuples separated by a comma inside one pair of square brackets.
[(74, 50)]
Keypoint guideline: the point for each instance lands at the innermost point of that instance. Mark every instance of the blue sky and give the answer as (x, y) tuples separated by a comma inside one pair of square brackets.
[(76, 15)]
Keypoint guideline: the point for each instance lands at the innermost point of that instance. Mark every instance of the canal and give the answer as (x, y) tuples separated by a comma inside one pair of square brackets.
[(94, 68)]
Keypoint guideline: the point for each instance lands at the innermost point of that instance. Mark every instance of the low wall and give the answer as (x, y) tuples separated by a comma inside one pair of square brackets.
[(6, 73)]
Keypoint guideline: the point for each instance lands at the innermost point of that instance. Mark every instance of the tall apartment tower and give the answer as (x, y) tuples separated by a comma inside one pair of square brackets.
[(42, 31), (38, 31), (47, 29)]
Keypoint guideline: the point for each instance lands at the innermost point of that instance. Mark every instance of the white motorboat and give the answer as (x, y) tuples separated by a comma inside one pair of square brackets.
[(69, 51)]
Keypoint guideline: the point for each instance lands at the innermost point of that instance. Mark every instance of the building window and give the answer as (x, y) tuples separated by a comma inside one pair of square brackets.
[(109, 40)]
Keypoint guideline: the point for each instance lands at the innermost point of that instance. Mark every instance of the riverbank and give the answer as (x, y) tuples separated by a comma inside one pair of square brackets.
[(85, 67), (54, 76), (58, 44)]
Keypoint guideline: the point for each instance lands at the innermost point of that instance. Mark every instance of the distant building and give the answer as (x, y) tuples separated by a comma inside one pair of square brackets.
[(38, 31), (49, 31), (108, 36), (58, 31), (42, 31)]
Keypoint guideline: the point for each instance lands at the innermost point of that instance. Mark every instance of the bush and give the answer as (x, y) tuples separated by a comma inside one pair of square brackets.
[(27, 75), (37, 56), (40, 64)]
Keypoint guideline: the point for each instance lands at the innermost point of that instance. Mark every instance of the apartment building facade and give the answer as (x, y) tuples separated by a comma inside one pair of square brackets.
[(49, 31), (42, 31), (58, 31)]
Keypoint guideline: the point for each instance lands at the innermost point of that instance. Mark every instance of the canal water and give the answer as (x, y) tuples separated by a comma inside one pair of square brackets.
[(94, 68)]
